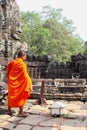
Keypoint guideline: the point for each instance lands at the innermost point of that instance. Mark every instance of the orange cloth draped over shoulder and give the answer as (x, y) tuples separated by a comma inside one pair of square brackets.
[(19, 83)]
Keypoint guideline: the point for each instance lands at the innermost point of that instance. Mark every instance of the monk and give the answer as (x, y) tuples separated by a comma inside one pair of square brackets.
[(19, 83)]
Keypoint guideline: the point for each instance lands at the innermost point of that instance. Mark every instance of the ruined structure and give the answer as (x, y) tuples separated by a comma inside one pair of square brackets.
[(43, 67), (39, 66), (10, 30)]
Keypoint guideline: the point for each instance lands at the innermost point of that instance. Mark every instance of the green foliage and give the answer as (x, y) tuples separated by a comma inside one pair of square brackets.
[(85, 47), (49, 33)]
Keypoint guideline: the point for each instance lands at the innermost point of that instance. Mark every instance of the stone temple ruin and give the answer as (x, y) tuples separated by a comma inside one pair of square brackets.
[(39, 67), (9, 20), (10, 30), (43, 67)]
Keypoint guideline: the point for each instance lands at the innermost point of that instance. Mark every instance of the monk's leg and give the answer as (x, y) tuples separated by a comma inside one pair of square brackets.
[(9, 111), (21, 110), (21, 113)]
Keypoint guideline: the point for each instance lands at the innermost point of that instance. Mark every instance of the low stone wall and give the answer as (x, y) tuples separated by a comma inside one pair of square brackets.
[(60, 89)]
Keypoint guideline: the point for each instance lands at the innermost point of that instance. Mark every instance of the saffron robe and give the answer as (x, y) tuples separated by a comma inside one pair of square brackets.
[(19, 83)]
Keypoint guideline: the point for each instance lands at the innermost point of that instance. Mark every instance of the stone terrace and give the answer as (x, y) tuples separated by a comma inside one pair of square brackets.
[(40, 118)]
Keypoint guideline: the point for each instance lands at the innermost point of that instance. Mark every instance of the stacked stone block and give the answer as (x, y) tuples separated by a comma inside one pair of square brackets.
[(10, 30)]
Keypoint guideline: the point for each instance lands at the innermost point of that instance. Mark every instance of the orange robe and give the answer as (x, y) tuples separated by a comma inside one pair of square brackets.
[(19, 83)]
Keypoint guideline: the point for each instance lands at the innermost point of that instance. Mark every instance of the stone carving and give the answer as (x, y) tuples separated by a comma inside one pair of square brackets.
[(9, 20), (10, 30)]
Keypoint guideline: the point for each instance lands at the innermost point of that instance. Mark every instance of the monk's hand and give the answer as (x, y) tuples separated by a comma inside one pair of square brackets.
[(31, 88)]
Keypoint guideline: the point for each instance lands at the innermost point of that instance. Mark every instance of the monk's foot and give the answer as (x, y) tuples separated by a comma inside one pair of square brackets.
[(10, 113), (23, 115)]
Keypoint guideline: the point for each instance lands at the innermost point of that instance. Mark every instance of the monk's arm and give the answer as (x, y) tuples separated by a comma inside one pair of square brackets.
[(8, 67), (27, 77)]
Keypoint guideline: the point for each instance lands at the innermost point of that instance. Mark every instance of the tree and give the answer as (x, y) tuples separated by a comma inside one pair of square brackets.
[(49, 33), (85, 47)]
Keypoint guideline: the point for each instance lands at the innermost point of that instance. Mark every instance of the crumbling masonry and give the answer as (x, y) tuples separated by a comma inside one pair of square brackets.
[(10, 31)]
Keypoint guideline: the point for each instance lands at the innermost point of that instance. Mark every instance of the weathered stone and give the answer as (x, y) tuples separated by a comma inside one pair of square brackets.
[(23, 126), (45, 128), (10, 30), (74, 119)]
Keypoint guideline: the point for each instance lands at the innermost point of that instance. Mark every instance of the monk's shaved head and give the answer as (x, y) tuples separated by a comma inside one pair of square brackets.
[(21, 53)]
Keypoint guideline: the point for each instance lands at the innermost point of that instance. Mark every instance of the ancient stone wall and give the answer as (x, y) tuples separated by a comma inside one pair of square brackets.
[(10, 30), (39, 67), (9, 20), (42, 67)]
